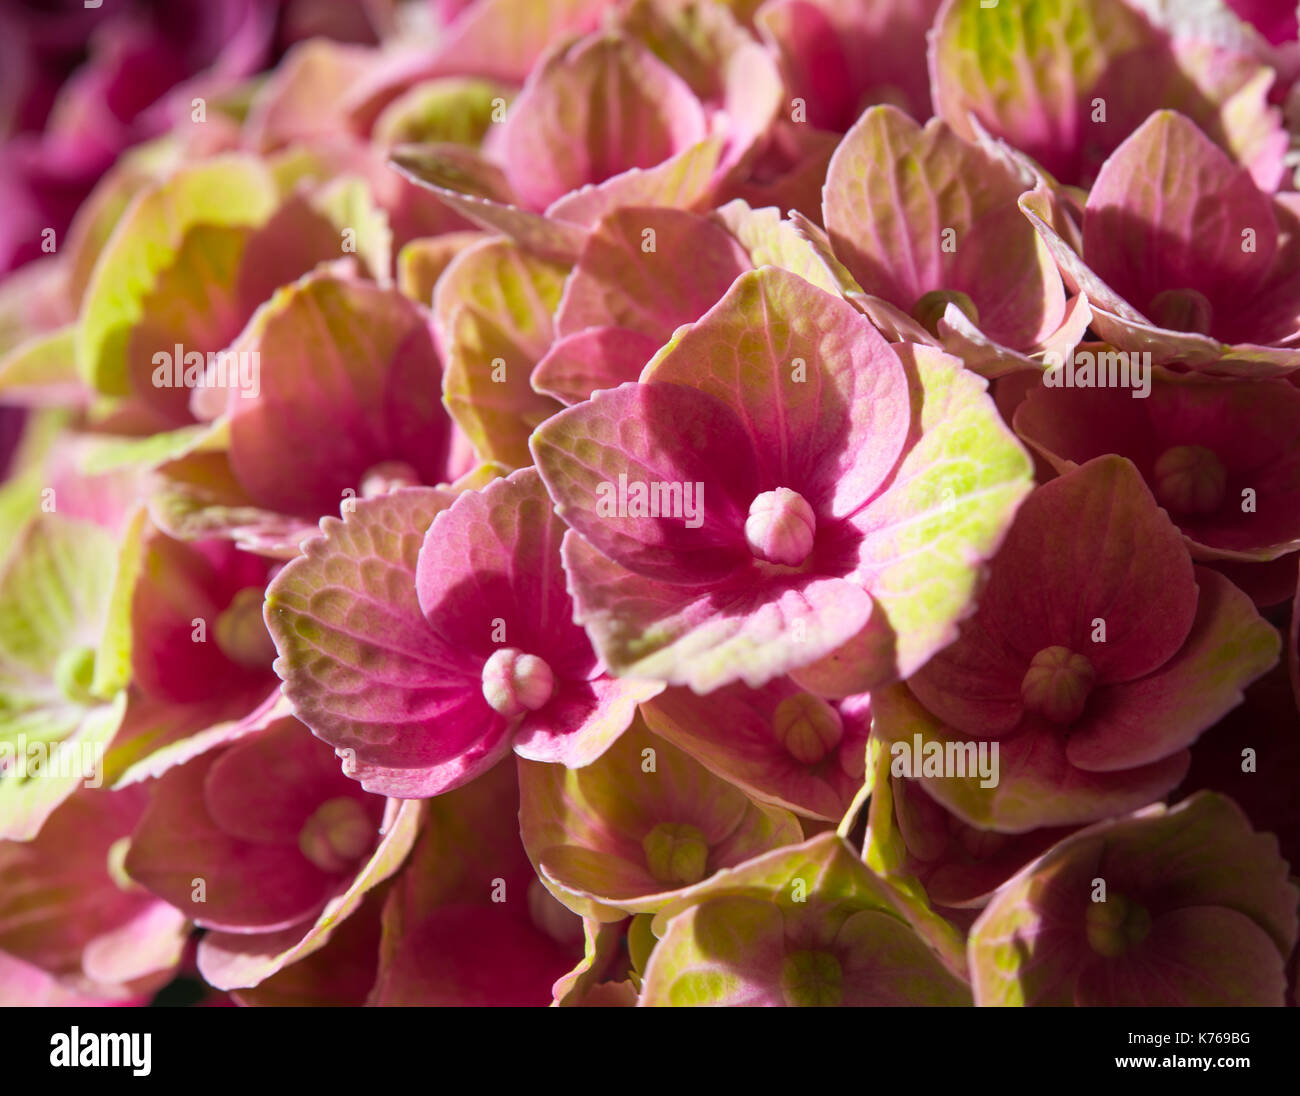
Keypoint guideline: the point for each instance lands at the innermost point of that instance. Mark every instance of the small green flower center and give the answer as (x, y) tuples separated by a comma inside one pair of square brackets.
[(807, 726), (74, 673), (676, 854), (241, 631), (1116, 925), (1190, 479), (930, 307), (812, 979), (337, 835), (1181, 310), (1057, 684), (116, 864)]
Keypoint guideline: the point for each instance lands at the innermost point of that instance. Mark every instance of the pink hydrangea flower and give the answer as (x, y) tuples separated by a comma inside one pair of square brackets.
[(462, 614), (735, 514), (1179, 906), (1097, 655)]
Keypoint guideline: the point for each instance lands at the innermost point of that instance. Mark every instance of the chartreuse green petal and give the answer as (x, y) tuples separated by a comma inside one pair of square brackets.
[(110, 453), (421, 262), (64, 661), (21, 490), (226, 192), (350, 205), (1023, 69), (42, 371), (493, 309), (631, 830), (771, 240), (450, 110), (950, 503), (804, 925), (882, 848)]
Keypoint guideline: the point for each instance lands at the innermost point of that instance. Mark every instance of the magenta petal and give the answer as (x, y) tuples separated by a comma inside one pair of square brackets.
[(1102, 548), (821, 43), (181, 583), (974, 684), (814, 60), (822, 396), (683, 181), (959, 865), (1250, 430), (360, 664), (473, 956), (1139, 721), (505, 39), (265, 787), (626, 108), (459, 925), (344, 361), (707, 636), (630, 273), (341, 973), (177, 844), (489, 576), (230, 960), (1033, 782), (736, 733), (1235, 965), (57, 896), (582, 720), (1170, 210), (1196, 909), (578, 365), (590, 456), (1039, 786), (489, 580), (935, 233)]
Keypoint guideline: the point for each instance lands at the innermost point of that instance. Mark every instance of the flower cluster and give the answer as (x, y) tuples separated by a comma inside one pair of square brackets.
[(651, 502)]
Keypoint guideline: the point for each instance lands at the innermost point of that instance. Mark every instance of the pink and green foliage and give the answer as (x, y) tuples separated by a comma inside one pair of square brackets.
[(818, 417), (622, 835), (602, 503), (1179, 906), (910, 246), (1222, 459), (807, 925), (1092, 664), (1066, 81), (458, 609), (1183, 254), (68, 909)]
